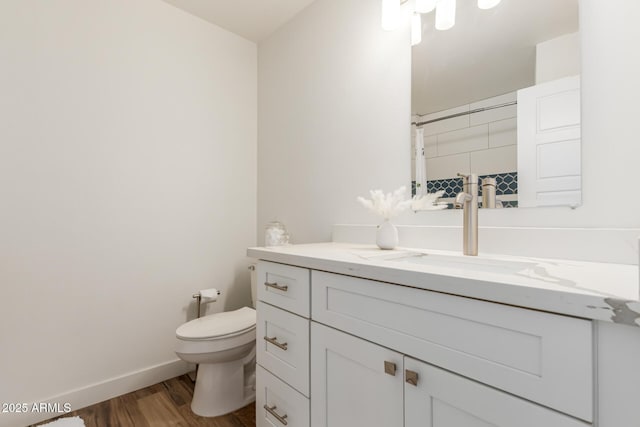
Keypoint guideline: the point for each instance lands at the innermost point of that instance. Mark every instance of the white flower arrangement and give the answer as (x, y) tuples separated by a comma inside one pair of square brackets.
[(387, 205), (428, 202)]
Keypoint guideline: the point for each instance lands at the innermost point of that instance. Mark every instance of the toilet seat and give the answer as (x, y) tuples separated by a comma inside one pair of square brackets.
[(218, 326)]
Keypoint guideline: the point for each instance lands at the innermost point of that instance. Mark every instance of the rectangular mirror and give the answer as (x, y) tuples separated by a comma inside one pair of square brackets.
[(498, 95)]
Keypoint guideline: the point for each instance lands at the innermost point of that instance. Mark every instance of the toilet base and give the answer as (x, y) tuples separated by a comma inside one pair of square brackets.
[(223, 387)]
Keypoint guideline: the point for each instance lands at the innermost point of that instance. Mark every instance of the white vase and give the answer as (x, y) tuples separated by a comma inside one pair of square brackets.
[(387, 235)]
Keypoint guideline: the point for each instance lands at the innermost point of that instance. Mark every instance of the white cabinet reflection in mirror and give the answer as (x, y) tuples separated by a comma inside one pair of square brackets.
[(549, 144)]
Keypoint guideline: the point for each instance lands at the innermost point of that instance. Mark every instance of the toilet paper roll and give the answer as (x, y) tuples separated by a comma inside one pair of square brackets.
[(209, 295)]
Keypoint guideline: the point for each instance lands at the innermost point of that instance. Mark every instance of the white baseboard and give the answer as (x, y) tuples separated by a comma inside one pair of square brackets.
[(99, 392)]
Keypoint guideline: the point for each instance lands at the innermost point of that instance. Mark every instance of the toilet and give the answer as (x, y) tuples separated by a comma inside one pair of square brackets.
[(224, 345)]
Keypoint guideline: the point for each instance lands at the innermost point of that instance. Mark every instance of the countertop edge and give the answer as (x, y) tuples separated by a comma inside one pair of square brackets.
[(593, 307)]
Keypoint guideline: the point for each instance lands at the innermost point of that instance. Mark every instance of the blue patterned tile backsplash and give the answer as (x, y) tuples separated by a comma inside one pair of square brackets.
[(506, 184), (451, 186)]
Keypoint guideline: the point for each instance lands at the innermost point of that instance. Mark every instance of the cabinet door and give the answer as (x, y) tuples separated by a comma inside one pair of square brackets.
[(438, 398), (549, 168), (353, 382)]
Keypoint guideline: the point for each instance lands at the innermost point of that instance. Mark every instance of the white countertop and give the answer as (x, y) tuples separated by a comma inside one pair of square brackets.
[(600, 291)]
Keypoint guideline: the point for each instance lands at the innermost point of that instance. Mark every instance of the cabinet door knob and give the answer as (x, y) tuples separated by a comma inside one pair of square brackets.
[(411, 377), (390, 368), (272, 411), (275, 285), (274, 341)]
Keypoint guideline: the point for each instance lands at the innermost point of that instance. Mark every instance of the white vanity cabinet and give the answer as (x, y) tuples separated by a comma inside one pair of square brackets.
[(282, 347), (542, 357), (358, 383), (380, 354)]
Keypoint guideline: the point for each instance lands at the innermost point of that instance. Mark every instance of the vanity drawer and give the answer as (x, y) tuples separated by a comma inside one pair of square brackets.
[(542, 357), (283, 345), (284, 286), (282, 401)]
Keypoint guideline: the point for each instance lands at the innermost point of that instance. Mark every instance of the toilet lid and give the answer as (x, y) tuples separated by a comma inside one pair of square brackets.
[(218, 325)]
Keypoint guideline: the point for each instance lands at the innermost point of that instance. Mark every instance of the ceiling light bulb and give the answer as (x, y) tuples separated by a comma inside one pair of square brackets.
[(488, 4), (416, 29), (425, 6), (390, 14), (445, 14)]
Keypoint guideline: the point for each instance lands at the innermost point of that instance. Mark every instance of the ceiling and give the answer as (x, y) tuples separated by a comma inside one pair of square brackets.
[(252, 19), (487, 52)]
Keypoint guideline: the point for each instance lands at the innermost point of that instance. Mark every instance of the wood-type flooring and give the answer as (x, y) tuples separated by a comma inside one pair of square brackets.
[(160, 405)]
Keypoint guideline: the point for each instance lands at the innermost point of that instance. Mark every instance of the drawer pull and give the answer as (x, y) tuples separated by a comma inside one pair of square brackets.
[(275, 342), (272, 411), (411, 377), (275, 285), (390, 368)]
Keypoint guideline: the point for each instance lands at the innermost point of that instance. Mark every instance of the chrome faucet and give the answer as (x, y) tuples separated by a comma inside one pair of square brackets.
[(468, 199)]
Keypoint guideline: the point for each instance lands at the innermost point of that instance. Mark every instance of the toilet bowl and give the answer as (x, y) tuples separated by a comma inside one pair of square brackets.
[(223, 345)]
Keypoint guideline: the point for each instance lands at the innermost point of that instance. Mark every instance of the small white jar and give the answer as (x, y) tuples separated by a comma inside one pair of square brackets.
[(275, 234)]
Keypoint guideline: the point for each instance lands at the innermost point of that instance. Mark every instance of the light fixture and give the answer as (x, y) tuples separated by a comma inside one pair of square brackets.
[(487, 4), (445, 14), (416, 29), (425, 6), (390, 14)]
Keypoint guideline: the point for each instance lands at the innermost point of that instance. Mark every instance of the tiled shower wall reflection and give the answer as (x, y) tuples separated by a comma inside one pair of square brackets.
[(481, 143)]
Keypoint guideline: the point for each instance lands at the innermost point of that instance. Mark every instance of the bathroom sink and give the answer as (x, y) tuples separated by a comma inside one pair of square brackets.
[(488, 264), (493, 265)]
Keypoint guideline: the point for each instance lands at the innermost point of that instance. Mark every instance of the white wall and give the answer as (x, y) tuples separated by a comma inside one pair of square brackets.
[(558, 58), (333, 116), (329, 130), (127, 182)]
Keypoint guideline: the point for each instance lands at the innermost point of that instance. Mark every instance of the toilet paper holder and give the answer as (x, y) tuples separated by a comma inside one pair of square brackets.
[(198, 298)]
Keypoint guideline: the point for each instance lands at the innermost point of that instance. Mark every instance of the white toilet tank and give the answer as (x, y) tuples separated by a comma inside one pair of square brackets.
[(254, 284)]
